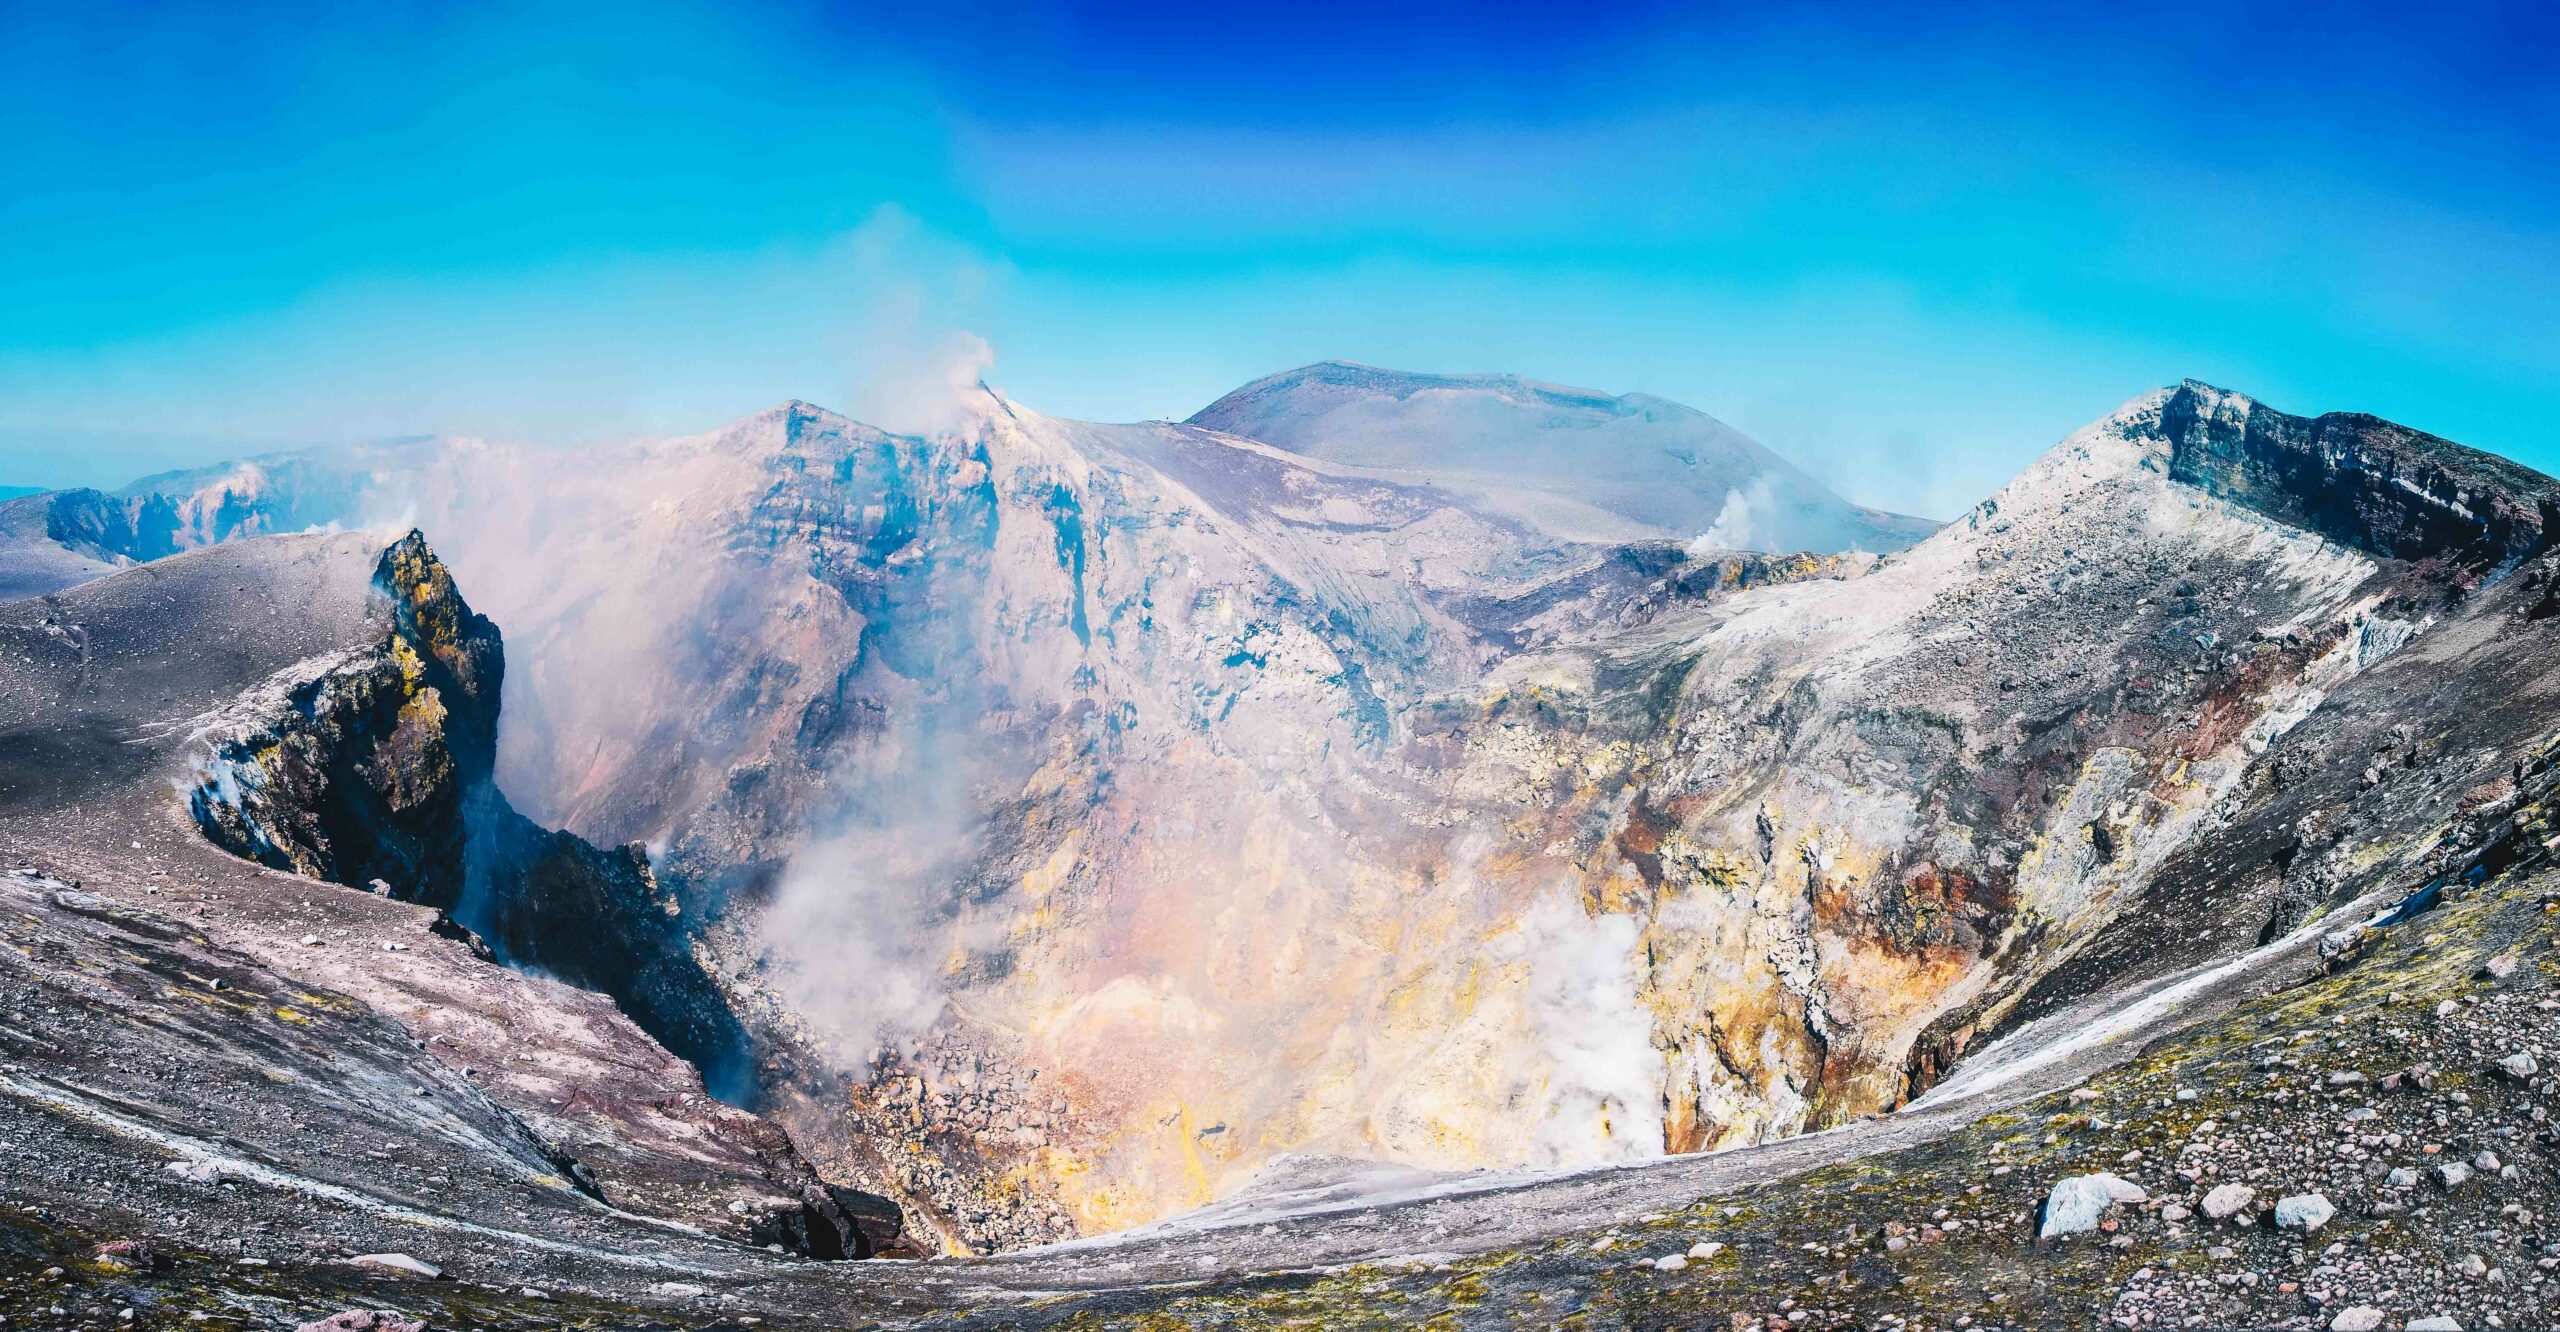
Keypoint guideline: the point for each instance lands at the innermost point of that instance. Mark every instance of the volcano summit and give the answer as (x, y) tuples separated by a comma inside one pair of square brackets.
[(1459, 820)]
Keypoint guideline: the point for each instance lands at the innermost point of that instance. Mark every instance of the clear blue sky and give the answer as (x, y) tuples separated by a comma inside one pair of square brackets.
[(1909, 250)]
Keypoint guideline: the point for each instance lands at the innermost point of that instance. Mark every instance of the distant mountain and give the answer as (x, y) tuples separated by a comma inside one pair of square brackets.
[(1558, 455), (53, 539)]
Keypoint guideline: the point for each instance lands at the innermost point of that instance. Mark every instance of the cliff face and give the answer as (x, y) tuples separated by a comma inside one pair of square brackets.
[(1916, 800), (2360, 480), (354, 742), (373, 768), (356, 767)]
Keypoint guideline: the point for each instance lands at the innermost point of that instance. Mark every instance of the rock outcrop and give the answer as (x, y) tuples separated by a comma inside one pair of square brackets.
[(327, 707)]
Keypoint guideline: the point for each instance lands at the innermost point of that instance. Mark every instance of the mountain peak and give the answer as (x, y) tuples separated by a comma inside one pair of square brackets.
[(1352, 379), (2359, 480), (798, 409), (1525, 442)]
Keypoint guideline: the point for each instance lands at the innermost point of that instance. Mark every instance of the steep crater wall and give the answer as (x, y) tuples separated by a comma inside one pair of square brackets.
[(372, 768), (2361, 481)]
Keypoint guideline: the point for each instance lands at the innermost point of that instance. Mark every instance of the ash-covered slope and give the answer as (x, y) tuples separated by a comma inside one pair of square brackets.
[(1568, 459), (41, 552), (327, 706), (2402, 772), (57, 539)]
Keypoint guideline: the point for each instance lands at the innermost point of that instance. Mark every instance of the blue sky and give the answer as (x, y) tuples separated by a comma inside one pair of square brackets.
[(1909, 250)]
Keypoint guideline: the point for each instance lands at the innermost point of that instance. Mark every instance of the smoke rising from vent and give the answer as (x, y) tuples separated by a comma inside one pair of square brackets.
[(1596, 1089), (1744, 521), (869, 915), (914, 366)]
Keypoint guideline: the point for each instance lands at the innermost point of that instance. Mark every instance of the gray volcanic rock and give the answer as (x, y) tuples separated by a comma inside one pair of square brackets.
[(1558, 456), (2403, 773), (327, 705), (57, 539)]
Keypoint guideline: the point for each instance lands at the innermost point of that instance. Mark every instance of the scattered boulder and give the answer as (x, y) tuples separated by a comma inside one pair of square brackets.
[(399, 1263), (2357, 1318), (363, 1320), (2453, 1174), (2435, 1323), (126, 1255), (200, 1172), (2520, 1066), (1706, 1248), (2229, 1200), (2306, 1212), (2077, 1203)]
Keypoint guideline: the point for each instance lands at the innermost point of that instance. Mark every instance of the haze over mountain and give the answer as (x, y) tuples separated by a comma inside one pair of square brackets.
[(1551, 451), (1054, 826)]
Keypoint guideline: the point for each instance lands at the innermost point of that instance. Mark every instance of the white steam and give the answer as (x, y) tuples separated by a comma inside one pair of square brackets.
[(914, 368), (1743, 522), (866, 922), (1596, 1086)]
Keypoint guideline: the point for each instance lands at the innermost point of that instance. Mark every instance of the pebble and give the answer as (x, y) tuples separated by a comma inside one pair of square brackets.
[(201, 1172), (363, 1320)]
